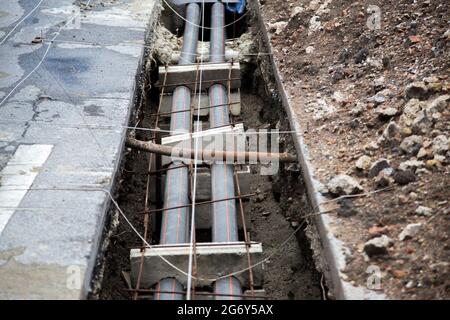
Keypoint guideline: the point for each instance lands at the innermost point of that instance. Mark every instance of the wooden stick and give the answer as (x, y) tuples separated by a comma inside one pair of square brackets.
[(204, 155)]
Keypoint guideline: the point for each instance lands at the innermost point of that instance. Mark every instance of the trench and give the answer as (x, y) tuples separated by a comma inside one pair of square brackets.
[(275, 211)]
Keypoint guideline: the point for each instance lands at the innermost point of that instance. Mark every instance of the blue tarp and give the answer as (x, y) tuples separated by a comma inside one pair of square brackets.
[(236, 7)]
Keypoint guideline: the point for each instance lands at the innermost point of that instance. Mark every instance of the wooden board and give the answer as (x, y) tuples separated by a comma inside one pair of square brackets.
[(211, 73), (213, 261)]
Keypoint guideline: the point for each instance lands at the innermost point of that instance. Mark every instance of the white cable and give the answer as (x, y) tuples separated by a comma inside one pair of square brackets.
[(23, 19), (44, 56), (194, 183)]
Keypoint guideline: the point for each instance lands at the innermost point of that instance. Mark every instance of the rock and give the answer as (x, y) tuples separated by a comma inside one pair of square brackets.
[(380, 97), (295, 224), (413, 196), (293, 169), (361, 55), (410, 111), (437, 106), (339, 97), (433, 163), (266, 213), (260, 197), (434, 87), (377, 166), (421, 123), (363, 163), (391, 131), (338, 74), (277, 27), (354, 123), (343, 184), (416, 90), (411, 165), (410, 231), (379, 84), (321, 109), (424, 211), (406, 131), (424, 153), (378, 246), (309, 49), (439, 158), (403, 177), (411, 144), (446, 35), (323, 189), (383, 179), (440, 144), (386, 112), (374, 63), (358, 109)]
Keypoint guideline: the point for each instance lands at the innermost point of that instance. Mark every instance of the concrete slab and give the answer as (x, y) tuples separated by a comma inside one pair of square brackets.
[(64, 106), (210, 266), (228, 74)]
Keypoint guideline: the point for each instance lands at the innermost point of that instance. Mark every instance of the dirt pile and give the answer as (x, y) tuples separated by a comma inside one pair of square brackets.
[(370, 83)]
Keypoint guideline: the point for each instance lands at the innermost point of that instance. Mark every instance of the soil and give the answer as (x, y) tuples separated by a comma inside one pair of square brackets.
[(331, 61)]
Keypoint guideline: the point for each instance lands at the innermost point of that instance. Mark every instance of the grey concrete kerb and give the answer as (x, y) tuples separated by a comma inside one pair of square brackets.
[(62, 133)]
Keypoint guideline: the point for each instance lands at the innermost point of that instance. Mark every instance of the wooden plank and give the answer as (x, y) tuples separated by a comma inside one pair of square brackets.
[(211, 73), (235, 106), (211, 258)]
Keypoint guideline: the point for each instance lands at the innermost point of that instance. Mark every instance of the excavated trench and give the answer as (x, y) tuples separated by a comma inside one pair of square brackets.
[(275, 211)]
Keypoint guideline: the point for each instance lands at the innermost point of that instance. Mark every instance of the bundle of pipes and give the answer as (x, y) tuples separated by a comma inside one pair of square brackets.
[(175, 226), (224, 227), (175, 222)]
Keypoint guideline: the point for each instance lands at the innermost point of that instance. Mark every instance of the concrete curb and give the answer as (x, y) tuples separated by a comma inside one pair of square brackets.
[(333, 250)]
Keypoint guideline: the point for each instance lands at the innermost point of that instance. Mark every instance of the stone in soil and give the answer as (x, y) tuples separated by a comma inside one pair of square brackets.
[(390, 133), (403, 177), (412, 165), (383, 179), (386, 112), (378, 246), (421, 123), (416, 90), (380, 97), (363, 163), (411, 144), (343, 184), (424, 211), (440, 144), (410, 231), (377, 166)]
